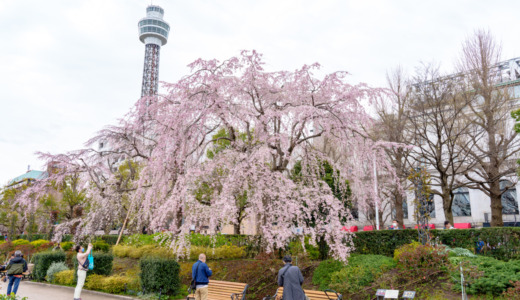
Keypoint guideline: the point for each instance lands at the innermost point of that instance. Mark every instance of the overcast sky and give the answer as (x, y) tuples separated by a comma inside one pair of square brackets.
[(70, 67)]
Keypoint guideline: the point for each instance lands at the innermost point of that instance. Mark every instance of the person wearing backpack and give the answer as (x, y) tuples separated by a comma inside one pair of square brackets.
[(200, 275), (83, 263), (291, 278), (15, 268)]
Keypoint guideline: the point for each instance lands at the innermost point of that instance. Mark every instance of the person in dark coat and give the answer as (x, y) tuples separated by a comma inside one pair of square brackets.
[(291, 278)]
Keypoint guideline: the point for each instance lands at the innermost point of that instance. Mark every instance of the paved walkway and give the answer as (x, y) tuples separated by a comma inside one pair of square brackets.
[(41, 291)]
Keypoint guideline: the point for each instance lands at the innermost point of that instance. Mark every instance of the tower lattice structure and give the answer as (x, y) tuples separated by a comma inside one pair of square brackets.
[(153, 32)]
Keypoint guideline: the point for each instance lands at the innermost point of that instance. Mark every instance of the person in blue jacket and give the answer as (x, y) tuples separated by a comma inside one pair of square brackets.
[(200, 272)]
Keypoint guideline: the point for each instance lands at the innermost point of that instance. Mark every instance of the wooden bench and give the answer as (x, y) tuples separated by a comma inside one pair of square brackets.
[(313, 295), (223, 290), (25, 275)]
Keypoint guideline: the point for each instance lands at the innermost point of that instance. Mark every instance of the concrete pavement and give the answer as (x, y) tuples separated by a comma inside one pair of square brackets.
[(42, 291)]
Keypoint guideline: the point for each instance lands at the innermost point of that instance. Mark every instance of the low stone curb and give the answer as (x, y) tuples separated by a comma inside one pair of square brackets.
[(84, 291)]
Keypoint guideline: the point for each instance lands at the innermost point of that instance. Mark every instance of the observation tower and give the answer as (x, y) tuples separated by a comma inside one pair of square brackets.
[(153, 32)]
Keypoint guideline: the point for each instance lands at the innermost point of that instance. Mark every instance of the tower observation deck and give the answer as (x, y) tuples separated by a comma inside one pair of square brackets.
[(153, 32)]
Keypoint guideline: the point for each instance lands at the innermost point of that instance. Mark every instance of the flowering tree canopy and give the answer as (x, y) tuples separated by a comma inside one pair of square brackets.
[(256, 125)]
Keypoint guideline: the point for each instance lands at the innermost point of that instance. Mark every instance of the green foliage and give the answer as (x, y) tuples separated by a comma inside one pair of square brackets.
[(38, 243), (118, 284), (145, 239), (497, 276), (20, 242), (94, 282), (382, 242), (12, 297), (223, 252), (202, 240), (296, 248), (421, 260), (43, 260), (103, 263), (159, 275), (101, 245), (30, 237), (65, 277), (459, 252), (512, 292), (66, 246), (324, 271), (54, 268), (504, 241), (110, 239), (360, 271)]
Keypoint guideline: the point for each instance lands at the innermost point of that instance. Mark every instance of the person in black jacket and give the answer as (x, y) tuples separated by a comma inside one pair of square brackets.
[(15, 269)]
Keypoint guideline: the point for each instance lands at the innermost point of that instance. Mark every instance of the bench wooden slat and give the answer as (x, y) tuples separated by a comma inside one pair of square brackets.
[(312, 294), (222, 290)]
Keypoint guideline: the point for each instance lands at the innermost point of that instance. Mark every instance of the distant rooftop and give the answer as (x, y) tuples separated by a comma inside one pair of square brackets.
[(35, 175)]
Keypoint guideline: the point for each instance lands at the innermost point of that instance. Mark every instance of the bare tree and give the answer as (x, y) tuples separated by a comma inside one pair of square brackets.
[(439, 128), (496, 144), (393, 118)]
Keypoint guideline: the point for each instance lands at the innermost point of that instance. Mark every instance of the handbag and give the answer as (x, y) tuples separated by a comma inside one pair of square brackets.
[(193, 284), (90, 261)]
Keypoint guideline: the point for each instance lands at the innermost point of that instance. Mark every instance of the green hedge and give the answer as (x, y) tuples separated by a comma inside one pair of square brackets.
[(43, 260), (504, 241), (102, 264), (159, 275), (29, 237)]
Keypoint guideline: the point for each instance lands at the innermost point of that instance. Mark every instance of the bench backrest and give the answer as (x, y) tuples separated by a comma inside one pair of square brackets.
[(224, 289), (462, 225), (313, 295)]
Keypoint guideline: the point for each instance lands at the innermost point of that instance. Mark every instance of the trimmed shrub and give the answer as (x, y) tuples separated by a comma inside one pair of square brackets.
[(159, 275), (94, 282), (121, 250), (110, 239), (54, 268), (43, 260), (20, 242), (101, 245), (504, 242), (38, 243), (224, 252), (360, 271), (65, 277), (324, 271), (118, 284), (66, 246), (497, 276), (102, 264), (29, 237)]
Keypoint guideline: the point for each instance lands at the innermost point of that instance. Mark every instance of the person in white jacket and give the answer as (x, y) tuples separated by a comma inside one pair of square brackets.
[(82, 258)]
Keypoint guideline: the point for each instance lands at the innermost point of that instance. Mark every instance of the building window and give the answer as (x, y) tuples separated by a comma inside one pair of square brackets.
[(405, 209), (461, 206), (509, 202)]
